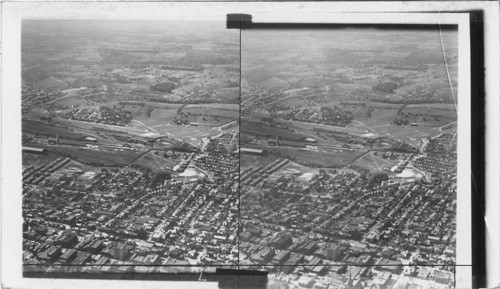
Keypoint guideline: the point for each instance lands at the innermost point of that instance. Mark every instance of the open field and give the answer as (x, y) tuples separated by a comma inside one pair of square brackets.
[(312, 158), (213, 116), (293, 167), (398, 132), (302, 173), (158, 117), (374, 163), (156, 162), (30, 159), (187, 131), (204, 118), (379, 117), (102, 157), (250, 160)]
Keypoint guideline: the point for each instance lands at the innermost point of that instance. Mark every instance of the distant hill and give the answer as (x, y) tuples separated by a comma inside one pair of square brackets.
[(34, 74), (275, 83), (52, 83), (256, 75), (87, 82)]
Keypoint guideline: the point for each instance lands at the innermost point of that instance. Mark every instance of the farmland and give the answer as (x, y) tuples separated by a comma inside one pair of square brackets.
[(124, 98), (349, 103)]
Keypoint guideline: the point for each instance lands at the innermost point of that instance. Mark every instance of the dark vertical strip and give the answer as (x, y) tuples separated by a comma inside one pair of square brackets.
[(478, 149), (454, 277), (239, 164)]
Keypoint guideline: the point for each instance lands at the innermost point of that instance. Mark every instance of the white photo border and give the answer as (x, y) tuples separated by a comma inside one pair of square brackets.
[(13, 13)]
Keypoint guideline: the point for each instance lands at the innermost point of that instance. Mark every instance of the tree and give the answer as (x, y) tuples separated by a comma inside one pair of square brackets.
[(142, 234)]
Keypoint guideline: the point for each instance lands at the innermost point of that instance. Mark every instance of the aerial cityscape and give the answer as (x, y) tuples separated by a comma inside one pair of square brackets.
[(348, 157), (326, 158)]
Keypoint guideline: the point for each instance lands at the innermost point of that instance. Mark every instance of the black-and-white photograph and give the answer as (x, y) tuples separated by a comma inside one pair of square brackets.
[(321, 153), (130, 144), (349, 154)]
